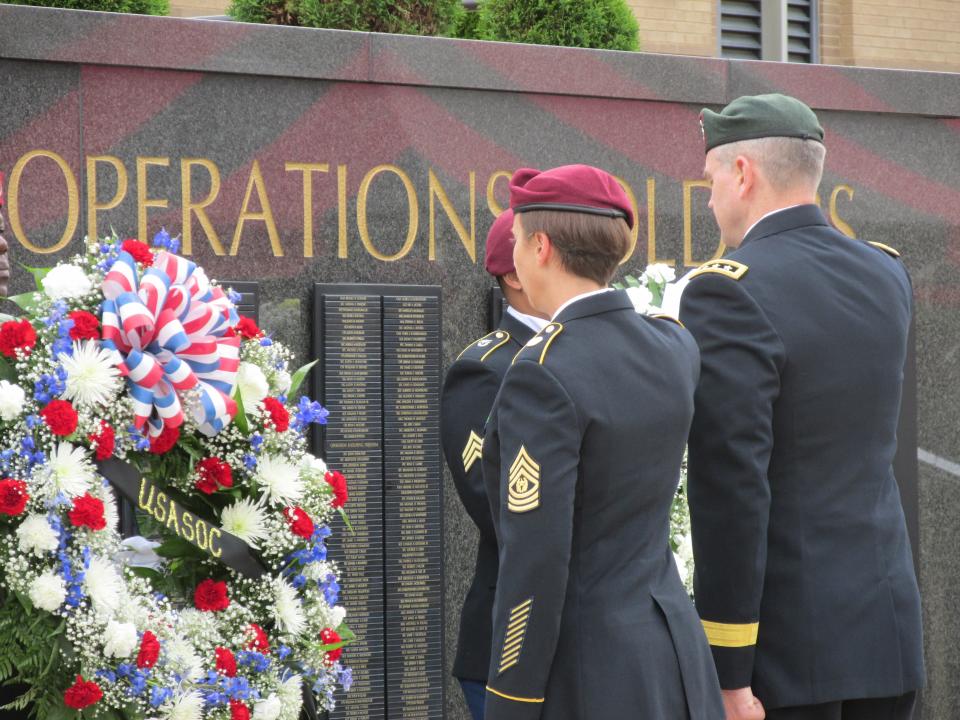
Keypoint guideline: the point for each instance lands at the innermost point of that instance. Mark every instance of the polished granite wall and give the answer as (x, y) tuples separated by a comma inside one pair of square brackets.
[(125, 120)]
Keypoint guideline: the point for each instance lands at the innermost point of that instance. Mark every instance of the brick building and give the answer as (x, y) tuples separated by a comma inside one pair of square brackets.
[(917, 34)]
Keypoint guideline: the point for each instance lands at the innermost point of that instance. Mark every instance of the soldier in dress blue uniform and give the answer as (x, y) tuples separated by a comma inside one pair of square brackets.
[(470, 386), (804, 576), (581, 460)]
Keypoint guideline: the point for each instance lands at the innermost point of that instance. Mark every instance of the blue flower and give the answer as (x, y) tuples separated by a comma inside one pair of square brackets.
[(309, 412), (283, 652), (233, 296), (331, 589), (256, 442), (346, 678), (249, 461), (159, 695), (163, 240)]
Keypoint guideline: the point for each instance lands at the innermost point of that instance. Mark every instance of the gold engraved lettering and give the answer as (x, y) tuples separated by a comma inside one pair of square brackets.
[(191, 208), (492, 203), (73, 202), (144, 202), (652, 225), (437, 191), (413, 213), (307, 169), (688, 260), (94, 206), (635, 230), (265, 215), (341, 211), (835, 218)]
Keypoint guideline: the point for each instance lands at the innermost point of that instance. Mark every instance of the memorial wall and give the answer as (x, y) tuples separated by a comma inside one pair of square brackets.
[(353, 177)]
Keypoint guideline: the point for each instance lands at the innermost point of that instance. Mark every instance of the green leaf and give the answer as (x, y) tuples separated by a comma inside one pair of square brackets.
[(298, 377), (616, 286), (25, 301), (346, 520), (241, 417), (177, 547), (38, 274), (6, 370), (147, 573)]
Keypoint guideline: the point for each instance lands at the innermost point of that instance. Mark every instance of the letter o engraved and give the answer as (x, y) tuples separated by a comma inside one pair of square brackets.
[(413, 210), (73, 202), (201, 528)]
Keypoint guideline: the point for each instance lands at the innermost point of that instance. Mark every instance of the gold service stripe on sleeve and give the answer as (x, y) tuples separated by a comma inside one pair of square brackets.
[(731, 635)]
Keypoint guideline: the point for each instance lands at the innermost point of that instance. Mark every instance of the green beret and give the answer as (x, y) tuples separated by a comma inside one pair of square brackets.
[(759, 116)]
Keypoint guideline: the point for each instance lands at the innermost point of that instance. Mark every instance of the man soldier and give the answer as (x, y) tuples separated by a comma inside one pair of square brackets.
[(581, 460), (804, 577), (469, 388)]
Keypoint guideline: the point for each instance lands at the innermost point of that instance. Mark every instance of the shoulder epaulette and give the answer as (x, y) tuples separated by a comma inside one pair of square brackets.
[(892, 252), (664, 316), (485, 346), (540, 343), (727, 268)]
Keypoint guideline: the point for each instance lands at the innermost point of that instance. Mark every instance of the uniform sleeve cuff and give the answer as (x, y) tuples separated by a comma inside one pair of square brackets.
[(734, 666), (502, 705)]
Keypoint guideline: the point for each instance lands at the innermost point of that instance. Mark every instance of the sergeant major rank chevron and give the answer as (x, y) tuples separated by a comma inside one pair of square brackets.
[(524, 489), (472, 451)]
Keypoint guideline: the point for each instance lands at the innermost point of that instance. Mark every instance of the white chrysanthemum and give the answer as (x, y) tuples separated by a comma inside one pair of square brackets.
[(641, 298), (252, 384), (185, 707), (313, 466), (280, 480), (338, 614), (68, 470), (268, 709), (120, 639), (67, 282), (12, 398), (247, 520), (103, 584), (92, 374), (287, 610), (660, 273), (281, 381), (291, 697), (36, 536), (182, 658), (48, 591), (110, 512)]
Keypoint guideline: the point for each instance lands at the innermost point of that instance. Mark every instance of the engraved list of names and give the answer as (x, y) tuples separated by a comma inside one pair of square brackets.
[(379, 377)]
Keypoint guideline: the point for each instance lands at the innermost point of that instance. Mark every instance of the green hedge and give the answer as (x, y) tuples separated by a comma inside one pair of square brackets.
[(139, 7), (412, 17), (608, 24)]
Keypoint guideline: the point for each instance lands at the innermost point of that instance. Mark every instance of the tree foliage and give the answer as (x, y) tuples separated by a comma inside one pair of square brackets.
[(412, 17), (138, 7), (608, 24)]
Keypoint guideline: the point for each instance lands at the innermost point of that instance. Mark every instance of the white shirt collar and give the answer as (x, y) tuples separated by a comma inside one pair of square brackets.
[(772, 212), (575, 298), (534, 323)]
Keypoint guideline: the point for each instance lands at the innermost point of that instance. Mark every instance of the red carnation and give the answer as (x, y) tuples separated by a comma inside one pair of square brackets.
[(87, 512), (238, 711), (339, 484), (329, 637), (16, 334), (82, 694), (149, 650), (258, 639), (103, 441), (85, 326), (165, 440), (213, 474), (13, 496), (139, 250), (300, 522), (211, 596), (226, 662), (278, 413), (248, 328), (60, 417)]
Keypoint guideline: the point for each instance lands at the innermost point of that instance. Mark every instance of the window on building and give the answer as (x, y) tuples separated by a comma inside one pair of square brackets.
[(784, 30)]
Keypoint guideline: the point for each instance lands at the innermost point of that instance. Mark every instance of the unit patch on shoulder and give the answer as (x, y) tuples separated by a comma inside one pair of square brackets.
[(541, 342), (472, 451), (485, 346), (727, 268), (524, 490), (892, 252)]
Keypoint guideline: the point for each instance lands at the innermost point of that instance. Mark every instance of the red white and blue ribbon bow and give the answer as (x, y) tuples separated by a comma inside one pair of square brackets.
[(168, 325)]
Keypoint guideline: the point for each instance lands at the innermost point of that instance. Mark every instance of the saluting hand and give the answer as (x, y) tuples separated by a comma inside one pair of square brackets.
[(742, 705)]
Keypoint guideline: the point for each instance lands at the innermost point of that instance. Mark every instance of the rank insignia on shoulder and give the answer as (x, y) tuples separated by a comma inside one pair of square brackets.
[(524, 490), (472, 451), (485, 346), (892, 252), (513, 640), (671, 318), (541, 341), (727, 268)]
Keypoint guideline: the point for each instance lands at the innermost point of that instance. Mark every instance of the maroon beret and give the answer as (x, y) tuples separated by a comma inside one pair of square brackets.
[(570, 188), (498, 258)]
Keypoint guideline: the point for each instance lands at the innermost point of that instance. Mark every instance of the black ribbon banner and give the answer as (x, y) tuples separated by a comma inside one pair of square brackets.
[(150, 498)]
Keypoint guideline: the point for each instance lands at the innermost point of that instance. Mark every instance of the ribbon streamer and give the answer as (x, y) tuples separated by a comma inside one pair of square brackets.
[(169, 325)]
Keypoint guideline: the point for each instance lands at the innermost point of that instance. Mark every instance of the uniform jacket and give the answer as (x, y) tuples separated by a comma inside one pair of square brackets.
[(470, 386), (581, 461), (804, 576)]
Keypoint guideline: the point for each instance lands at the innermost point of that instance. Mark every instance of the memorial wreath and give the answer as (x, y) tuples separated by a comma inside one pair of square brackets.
[(130, 375)]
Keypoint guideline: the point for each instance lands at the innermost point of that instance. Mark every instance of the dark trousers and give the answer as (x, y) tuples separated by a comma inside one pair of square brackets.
[(890, 708), (475, 693)]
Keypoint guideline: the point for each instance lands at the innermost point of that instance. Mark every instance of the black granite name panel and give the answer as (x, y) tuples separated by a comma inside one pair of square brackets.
[(380, 357)]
